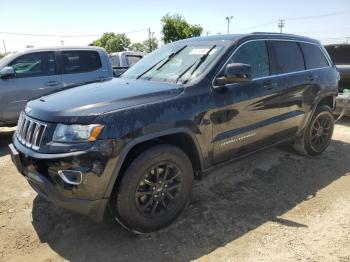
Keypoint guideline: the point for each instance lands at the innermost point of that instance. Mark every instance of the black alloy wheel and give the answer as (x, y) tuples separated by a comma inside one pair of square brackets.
[(159, 189)]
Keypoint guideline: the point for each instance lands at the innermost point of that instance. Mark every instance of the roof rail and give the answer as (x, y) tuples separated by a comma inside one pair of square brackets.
[(270, 33)]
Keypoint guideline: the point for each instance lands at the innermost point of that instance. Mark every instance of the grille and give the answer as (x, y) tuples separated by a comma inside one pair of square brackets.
[(30, 132)]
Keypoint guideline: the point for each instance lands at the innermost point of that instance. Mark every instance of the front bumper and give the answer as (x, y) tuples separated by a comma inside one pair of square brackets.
[(41, 172)]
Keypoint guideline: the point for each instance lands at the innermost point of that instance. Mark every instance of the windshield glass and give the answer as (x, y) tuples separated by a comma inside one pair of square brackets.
[(174, 63), (4, 61)]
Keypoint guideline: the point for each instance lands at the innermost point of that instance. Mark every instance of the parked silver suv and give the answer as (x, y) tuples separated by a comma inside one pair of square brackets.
[(36, 72)]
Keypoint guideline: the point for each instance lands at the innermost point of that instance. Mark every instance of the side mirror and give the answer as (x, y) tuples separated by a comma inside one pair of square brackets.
[(235, 73), (7, 72)]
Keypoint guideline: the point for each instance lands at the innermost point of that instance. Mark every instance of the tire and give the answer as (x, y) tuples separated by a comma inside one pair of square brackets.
[(316, 139), (154, 189)]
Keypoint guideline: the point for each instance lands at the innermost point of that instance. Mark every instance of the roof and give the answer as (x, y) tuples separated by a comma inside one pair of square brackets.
[(267, 35), (56, 48)]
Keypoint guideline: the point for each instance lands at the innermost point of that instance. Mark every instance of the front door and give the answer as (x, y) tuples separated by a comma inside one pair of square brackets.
[(247, 114), (35, 76)]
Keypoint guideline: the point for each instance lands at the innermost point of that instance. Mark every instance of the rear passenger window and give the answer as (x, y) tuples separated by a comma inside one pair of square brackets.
[(255, 54), (288, 56), (80, 61), (314, 57)]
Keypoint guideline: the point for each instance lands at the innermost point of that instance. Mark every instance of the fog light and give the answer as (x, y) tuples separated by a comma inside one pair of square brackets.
[(71, 177)]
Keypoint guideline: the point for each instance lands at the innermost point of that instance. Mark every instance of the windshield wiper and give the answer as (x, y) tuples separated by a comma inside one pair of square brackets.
[(171, 56), (201, 60), (167, 60), (149, 69)]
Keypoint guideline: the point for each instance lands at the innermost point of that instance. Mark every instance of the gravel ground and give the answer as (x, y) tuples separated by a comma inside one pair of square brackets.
[(272, 206)]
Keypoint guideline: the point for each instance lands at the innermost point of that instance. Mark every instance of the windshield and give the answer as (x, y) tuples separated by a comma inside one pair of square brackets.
[(174, 63), (4, 61)]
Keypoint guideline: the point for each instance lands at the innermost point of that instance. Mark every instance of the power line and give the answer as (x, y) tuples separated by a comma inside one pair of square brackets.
[(53, 35), (292, 19), (317, 16)]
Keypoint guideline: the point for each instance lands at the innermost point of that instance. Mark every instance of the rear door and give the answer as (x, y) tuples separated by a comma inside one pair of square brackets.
[(247, 114), (296, 83), (36, 75), (81, 67)]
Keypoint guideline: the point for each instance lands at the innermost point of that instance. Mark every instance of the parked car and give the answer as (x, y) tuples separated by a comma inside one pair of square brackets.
[(340, 55), (36, 72), (135, 143), (122, 61)]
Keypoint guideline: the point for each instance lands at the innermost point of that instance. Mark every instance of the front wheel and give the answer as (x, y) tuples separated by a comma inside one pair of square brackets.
[(319, 132), (154, 190)]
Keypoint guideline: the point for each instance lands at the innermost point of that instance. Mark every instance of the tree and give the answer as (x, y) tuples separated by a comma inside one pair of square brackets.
[(146, 46), (137, 47), (113, 42), (175, 27), (150, 44), (2, 55)]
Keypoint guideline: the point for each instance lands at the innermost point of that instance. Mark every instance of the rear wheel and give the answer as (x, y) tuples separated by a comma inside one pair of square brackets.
[(318, 133), (154, 190)]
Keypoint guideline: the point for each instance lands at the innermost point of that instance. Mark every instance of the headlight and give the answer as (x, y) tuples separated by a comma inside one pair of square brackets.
[(77, 133)]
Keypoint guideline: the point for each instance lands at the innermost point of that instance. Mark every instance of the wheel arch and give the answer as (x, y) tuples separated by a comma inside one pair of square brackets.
[(181, 137)]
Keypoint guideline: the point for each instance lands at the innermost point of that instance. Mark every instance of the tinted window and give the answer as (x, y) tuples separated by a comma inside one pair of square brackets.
[(80, 61), (314, 58), (132, 59), (340, 54), (36, 64), (114, 60), (255, 54), (288, 57)]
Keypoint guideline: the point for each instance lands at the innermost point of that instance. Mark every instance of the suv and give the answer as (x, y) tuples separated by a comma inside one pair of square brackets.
[(135, 143), (340, 55), (35, 72)]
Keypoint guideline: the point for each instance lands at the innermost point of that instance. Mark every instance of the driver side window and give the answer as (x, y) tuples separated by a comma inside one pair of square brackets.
[(35, 64), (256, 55)]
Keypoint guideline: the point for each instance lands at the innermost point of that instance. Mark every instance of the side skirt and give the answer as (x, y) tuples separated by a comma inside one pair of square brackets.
[(208, 170)]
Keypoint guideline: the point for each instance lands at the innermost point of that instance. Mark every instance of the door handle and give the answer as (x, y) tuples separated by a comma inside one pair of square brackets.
[(52, 83), (270, 85), (311, 77)]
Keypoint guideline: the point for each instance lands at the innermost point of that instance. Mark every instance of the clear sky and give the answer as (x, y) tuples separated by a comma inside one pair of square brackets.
[(83, 17)]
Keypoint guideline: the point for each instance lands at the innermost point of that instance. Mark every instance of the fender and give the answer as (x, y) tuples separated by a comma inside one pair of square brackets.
[(125, 151), (317, 101)]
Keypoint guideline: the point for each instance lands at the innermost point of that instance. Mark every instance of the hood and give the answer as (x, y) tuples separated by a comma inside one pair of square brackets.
[(84, 103)]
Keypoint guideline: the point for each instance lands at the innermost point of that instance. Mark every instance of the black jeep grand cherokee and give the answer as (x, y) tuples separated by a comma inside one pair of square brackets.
[(135, 144)]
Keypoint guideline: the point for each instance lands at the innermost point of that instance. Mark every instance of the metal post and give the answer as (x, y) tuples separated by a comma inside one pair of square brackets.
[(3, 41), (281, 24), (228, 18)]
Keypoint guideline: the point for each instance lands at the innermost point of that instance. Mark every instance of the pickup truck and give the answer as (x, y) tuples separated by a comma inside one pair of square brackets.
[(133, 145), (122, 61), (36, 72), (340, 55)]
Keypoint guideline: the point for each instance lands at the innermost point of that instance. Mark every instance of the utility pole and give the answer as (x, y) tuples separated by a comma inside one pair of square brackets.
[(281, 24), (3, 41), (228, 18), (149, 39), (207, 33)]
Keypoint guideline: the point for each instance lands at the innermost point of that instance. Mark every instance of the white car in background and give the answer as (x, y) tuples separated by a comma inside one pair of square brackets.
[(122, 61)]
